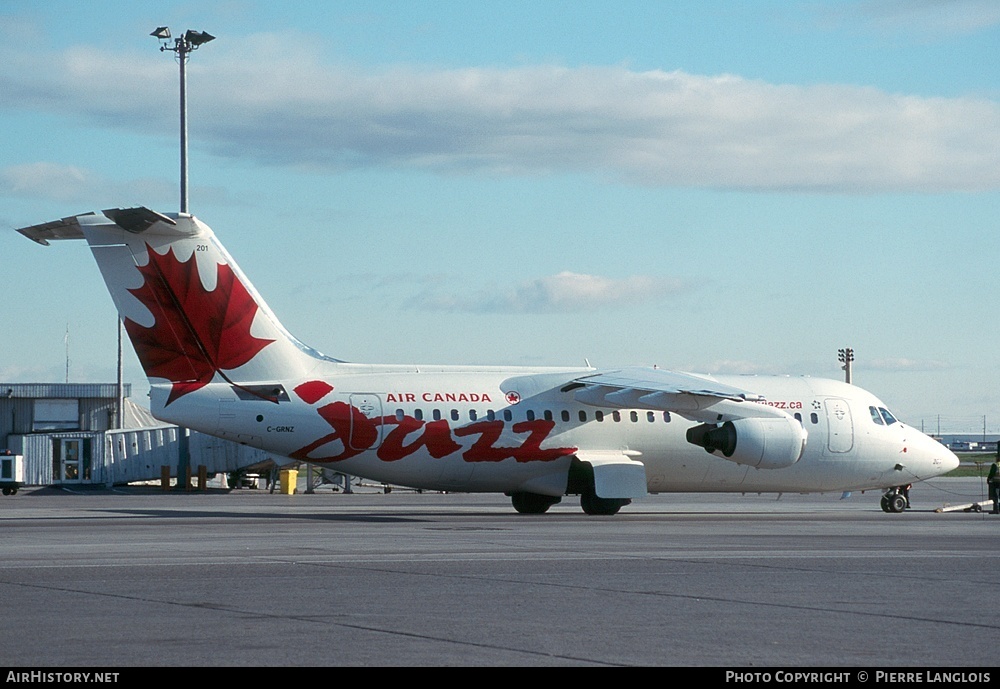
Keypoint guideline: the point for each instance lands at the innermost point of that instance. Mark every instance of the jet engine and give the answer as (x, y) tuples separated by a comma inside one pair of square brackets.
[(762, 443)]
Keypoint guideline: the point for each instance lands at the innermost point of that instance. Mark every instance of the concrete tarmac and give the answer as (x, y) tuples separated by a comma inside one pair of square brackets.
[(138, 577)]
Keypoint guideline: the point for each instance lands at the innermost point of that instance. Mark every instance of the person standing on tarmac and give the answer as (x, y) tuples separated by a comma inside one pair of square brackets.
[(993, 481)]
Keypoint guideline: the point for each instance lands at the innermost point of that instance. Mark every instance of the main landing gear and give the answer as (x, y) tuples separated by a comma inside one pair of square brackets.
[(896, 499), (592, 504), (533, 503), (579, 481)]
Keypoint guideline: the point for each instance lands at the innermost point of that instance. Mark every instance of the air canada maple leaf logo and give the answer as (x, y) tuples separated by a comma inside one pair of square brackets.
[(195, 333)]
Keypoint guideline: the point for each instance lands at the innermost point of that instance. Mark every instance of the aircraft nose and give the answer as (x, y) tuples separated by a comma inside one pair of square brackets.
[(951, 461), (936, 459)]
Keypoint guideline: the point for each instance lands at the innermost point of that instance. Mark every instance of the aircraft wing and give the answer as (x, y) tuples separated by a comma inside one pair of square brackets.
[(694, 397)]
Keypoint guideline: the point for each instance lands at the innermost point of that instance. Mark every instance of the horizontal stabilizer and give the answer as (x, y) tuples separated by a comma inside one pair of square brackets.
[(67, 228), (134, 220)]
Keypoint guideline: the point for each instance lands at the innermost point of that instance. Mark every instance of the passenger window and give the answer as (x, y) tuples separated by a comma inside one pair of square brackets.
[(490, 416), (565, 415), (616, 416), (876, 417), (666, 417), (507, 416), (472, 415), (798, 417), (454, 415), (650, 416), (814, 418), (418, 414), (599, 415), (530, 415), (399, 415), (436, 414), (634, 416), (583, 415)]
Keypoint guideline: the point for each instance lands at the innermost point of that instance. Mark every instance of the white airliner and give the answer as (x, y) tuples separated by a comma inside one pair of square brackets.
[(219, 362)]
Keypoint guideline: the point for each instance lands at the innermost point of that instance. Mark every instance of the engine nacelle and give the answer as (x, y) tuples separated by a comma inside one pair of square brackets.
[(761, 443)]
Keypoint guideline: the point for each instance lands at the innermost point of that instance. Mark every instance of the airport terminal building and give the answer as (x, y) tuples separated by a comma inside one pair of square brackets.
[(69, 433)]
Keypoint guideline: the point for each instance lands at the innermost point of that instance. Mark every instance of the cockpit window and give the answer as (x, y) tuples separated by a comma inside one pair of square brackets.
[(876, 417), (889, 418)]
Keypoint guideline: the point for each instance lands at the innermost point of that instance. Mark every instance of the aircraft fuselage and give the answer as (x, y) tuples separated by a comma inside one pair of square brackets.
[(509, 430)]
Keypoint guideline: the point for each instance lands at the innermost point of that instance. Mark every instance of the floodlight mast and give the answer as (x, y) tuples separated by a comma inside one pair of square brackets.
[(182, 47), (846, 357)]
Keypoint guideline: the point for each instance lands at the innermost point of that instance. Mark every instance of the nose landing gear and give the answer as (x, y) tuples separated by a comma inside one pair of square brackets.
[(895, 500)]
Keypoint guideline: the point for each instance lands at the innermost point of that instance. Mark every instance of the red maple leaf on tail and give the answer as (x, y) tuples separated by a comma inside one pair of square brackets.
[(195, 333)]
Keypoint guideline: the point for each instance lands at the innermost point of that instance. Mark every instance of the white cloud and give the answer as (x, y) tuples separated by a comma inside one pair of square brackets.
[(565, 292), (894, 364), (651, 128), (735, 366), (939, 17), (44, 180), (68, 183)]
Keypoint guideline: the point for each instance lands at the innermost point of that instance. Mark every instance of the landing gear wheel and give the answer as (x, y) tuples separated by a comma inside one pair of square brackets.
[(532, 503), (8, 491), (592, 504), (897, 503), (884, 502)]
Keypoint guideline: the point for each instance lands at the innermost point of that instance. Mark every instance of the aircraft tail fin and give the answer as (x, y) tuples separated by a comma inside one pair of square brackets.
[(190, 312)]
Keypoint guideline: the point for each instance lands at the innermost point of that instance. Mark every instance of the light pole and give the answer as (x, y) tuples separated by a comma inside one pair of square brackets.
[(846, 357), (182, 47)]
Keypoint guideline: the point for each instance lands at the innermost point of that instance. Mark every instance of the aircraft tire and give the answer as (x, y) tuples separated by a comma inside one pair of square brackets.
[(594, 505), (897, 503), (8, 491), (532, 503), (884, 502)]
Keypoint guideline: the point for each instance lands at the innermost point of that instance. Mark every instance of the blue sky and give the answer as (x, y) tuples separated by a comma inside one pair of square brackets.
[(714, 187)]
